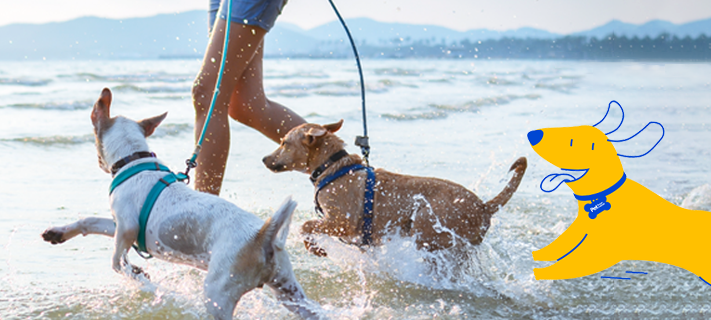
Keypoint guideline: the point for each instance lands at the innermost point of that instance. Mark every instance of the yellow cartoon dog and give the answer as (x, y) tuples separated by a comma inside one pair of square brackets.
[(618, 218)]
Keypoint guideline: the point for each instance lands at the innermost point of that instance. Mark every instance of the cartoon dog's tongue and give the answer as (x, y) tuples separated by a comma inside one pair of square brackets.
[(556, 179)]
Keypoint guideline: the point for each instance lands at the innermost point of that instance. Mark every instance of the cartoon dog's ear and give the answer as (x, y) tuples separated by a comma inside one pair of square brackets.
[(149, 125), (608, 111), (333, 127), (101, 107), (638, 132)]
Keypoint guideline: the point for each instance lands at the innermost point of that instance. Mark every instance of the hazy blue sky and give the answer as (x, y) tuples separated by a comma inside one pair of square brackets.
[(561, 16)]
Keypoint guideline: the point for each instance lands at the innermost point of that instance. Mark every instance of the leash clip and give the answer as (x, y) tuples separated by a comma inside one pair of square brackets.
[(362, 142), (184, 176)]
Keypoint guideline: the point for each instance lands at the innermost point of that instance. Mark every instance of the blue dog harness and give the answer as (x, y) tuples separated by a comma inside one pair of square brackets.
[(162, 183), (368, 199), (599, 200)]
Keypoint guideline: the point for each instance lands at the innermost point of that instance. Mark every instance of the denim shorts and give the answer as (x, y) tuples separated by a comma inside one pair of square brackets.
[(260, 13)]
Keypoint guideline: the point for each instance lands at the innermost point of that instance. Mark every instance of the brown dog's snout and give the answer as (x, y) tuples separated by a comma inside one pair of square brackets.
[(268, 162), (272, 165)]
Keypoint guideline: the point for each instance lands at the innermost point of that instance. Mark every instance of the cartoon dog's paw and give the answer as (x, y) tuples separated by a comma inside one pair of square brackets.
[(53, 236)]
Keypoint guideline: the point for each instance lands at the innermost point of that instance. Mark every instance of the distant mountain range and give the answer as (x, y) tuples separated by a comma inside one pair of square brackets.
[(184, 35)]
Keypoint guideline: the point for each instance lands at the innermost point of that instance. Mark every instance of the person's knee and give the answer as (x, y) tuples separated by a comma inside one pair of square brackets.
[(200, 96)]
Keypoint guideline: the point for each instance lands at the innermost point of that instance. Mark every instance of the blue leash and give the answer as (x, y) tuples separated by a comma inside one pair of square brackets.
[(190, 163), (172, 177), (361, 141)]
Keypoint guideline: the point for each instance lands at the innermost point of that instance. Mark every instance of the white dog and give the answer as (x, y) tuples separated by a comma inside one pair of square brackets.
[(237, 249)]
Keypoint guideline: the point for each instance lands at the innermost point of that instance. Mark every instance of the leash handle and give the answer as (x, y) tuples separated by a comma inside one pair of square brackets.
[(361, 141)]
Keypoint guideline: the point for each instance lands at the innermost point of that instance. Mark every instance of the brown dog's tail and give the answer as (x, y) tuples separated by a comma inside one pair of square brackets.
[(519, 168)]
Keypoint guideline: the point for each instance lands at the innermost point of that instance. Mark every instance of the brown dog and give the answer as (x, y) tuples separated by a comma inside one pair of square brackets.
[(437, 212)]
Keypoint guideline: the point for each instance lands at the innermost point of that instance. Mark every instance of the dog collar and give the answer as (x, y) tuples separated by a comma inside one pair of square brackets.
[(331, 160), (599, 200), (126, 160)]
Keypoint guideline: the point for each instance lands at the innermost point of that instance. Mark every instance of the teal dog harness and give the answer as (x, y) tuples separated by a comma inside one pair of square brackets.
[(153, 195)]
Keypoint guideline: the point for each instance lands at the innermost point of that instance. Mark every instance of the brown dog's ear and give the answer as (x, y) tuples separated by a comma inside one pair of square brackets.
[(333, 127), (316, 132), (313, 134), (101, 107), (149, 125)]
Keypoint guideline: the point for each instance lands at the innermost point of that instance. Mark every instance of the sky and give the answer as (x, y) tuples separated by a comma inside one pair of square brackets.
[(559, 16)]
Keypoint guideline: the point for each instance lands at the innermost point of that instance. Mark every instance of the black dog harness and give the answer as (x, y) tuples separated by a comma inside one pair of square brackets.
[(368, 196)]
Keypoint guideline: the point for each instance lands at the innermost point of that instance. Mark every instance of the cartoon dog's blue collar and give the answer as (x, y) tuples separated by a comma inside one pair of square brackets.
[(605, 192), (599, 200)]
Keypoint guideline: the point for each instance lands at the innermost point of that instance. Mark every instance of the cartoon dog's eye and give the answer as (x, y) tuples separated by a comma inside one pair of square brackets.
[(593, 145), (571, 142)]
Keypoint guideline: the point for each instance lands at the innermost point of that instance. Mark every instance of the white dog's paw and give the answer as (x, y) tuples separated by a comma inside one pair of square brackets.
[(137, 273), (53, 236)]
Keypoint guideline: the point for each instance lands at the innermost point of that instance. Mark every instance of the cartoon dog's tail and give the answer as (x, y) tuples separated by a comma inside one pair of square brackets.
[(519, 168), (273, 234)]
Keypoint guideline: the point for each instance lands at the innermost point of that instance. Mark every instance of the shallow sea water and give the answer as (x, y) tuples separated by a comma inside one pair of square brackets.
[(463, 120)]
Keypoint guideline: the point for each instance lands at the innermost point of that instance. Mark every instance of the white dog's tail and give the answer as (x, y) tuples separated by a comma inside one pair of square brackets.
[(275, 229), (519, 168)]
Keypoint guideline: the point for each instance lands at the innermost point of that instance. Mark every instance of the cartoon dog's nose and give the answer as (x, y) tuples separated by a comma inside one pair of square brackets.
[(535, 136)]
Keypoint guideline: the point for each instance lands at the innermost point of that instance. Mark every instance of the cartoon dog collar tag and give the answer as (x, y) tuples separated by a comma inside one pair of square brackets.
[(596, 207), (599, 200)]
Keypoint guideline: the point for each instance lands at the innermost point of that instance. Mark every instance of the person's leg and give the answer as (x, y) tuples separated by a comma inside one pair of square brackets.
[(250, 106), (244, 41)]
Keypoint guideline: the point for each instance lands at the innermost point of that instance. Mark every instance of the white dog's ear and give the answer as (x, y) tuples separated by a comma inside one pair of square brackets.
[(333, 127), (149, 125), (101, 108)]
